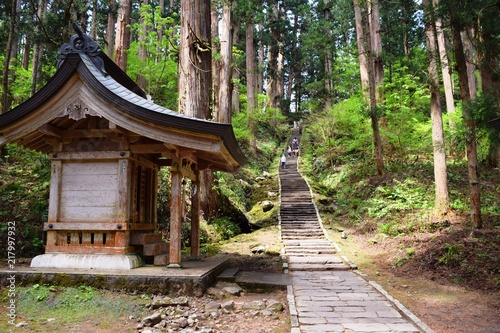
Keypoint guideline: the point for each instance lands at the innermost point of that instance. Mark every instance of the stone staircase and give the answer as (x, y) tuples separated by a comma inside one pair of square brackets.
[(306, 246), (152, 247)]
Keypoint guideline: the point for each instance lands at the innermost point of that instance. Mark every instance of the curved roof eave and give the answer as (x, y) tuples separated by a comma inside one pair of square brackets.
[(138, 107), (128, 101), (41, 97)]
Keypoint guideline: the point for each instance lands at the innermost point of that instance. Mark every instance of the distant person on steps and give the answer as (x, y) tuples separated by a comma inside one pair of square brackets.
[(283, 159)]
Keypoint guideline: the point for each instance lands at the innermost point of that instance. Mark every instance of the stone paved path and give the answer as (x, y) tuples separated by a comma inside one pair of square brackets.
[(325, 294)]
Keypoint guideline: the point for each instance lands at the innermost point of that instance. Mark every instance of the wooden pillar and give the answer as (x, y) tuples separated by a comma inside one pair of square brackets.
[(54, 199), (124, 182), (55, 190), (195, 219), (175, 219)]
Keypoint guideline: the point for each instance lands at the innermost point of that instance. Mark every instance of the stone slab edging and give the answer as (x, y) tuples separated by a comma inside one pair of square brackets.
[(399, 306)]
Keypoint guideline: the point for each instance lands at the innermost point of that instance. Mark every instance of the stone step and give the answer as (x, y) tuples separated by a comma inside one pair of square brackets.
[(318, 267), (304, 252), (303, 232), (229, 275)]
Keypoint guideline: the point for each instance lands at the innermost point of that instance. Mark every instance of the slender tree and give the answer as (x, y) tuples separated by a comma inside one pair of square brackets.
[(360, 37), (122, 40), (216, 57), (441, 201), (10, 56), (251, 79), (470, 122), (110, 28), (226, 46), (443, 56)]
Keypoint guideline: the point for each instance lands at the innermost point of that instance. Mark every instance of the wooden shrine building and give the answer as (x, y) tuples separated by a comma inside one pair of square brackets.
[(107, 142)]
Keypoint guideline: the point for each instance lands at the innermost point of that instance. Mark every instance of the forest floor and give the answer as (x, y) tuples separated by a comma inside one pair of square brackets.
[(449, 278)]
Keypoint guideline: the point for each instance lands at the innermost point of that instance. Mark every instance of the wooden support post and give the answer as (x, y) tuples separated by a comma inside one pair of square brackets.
[(195, 219), (175, 219), (124, 191), (55, 191)]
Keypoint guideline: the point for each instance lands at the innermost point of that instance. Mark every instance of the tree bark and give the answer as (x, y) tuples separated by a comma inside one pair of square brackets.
[(469, 52), (195, 78), (10, 56), (259, 72), (235, 95), (142, 52), (376, 47), (36, 64), (93, 23), (441, 201), (251, 85), (122, 43), (195, 59), (461, 65), (445, 68), (373, 63), (110, 28), (216, 60), (226, 48), (363, 63), (328, 62)]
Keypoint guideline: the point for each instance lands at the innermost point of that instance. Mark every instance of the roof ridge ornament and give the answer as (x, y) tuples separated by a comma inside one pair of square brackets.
[(81, 43)]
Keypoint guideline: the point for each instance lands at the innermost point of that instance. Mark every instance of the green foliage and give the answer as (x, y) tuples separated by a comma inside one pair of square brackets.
[(224, 228), (406, 115), (450, 254), (398, 197), (159, 71), (338, 134), (24, 191)]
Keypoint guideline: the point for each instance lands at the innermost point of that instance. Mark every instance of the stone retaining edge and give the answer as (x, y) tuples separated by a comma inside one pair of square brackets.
[(399, 306)]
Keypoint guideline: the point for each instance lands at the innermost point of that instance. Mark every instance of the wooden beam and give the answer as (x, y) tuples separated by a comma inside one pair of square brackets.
[(91, 226), (148, 148), (88, 133), (91, 155), (50, 130)]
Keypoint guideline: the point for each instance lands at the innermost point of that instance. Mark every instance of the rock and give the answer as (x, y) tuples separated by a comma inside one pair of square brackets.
[(229, 305), (267, 313), (254, 305), (267, 205), (151, 330), (266, 174), (152, 320), (22, 324), (160, 301), (271, 194), (275, 306), (183, 322), (259, 249), (236, 290), (211, 306)]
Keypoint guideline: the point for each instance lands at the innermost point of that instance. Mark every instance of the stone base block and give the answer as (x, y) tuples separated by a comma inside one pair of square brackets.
[(87, 261)]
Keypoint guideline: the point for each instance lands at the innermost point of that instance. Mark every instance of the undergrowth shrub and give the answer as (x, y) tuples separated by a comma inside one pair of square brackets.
[(24, 193)]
